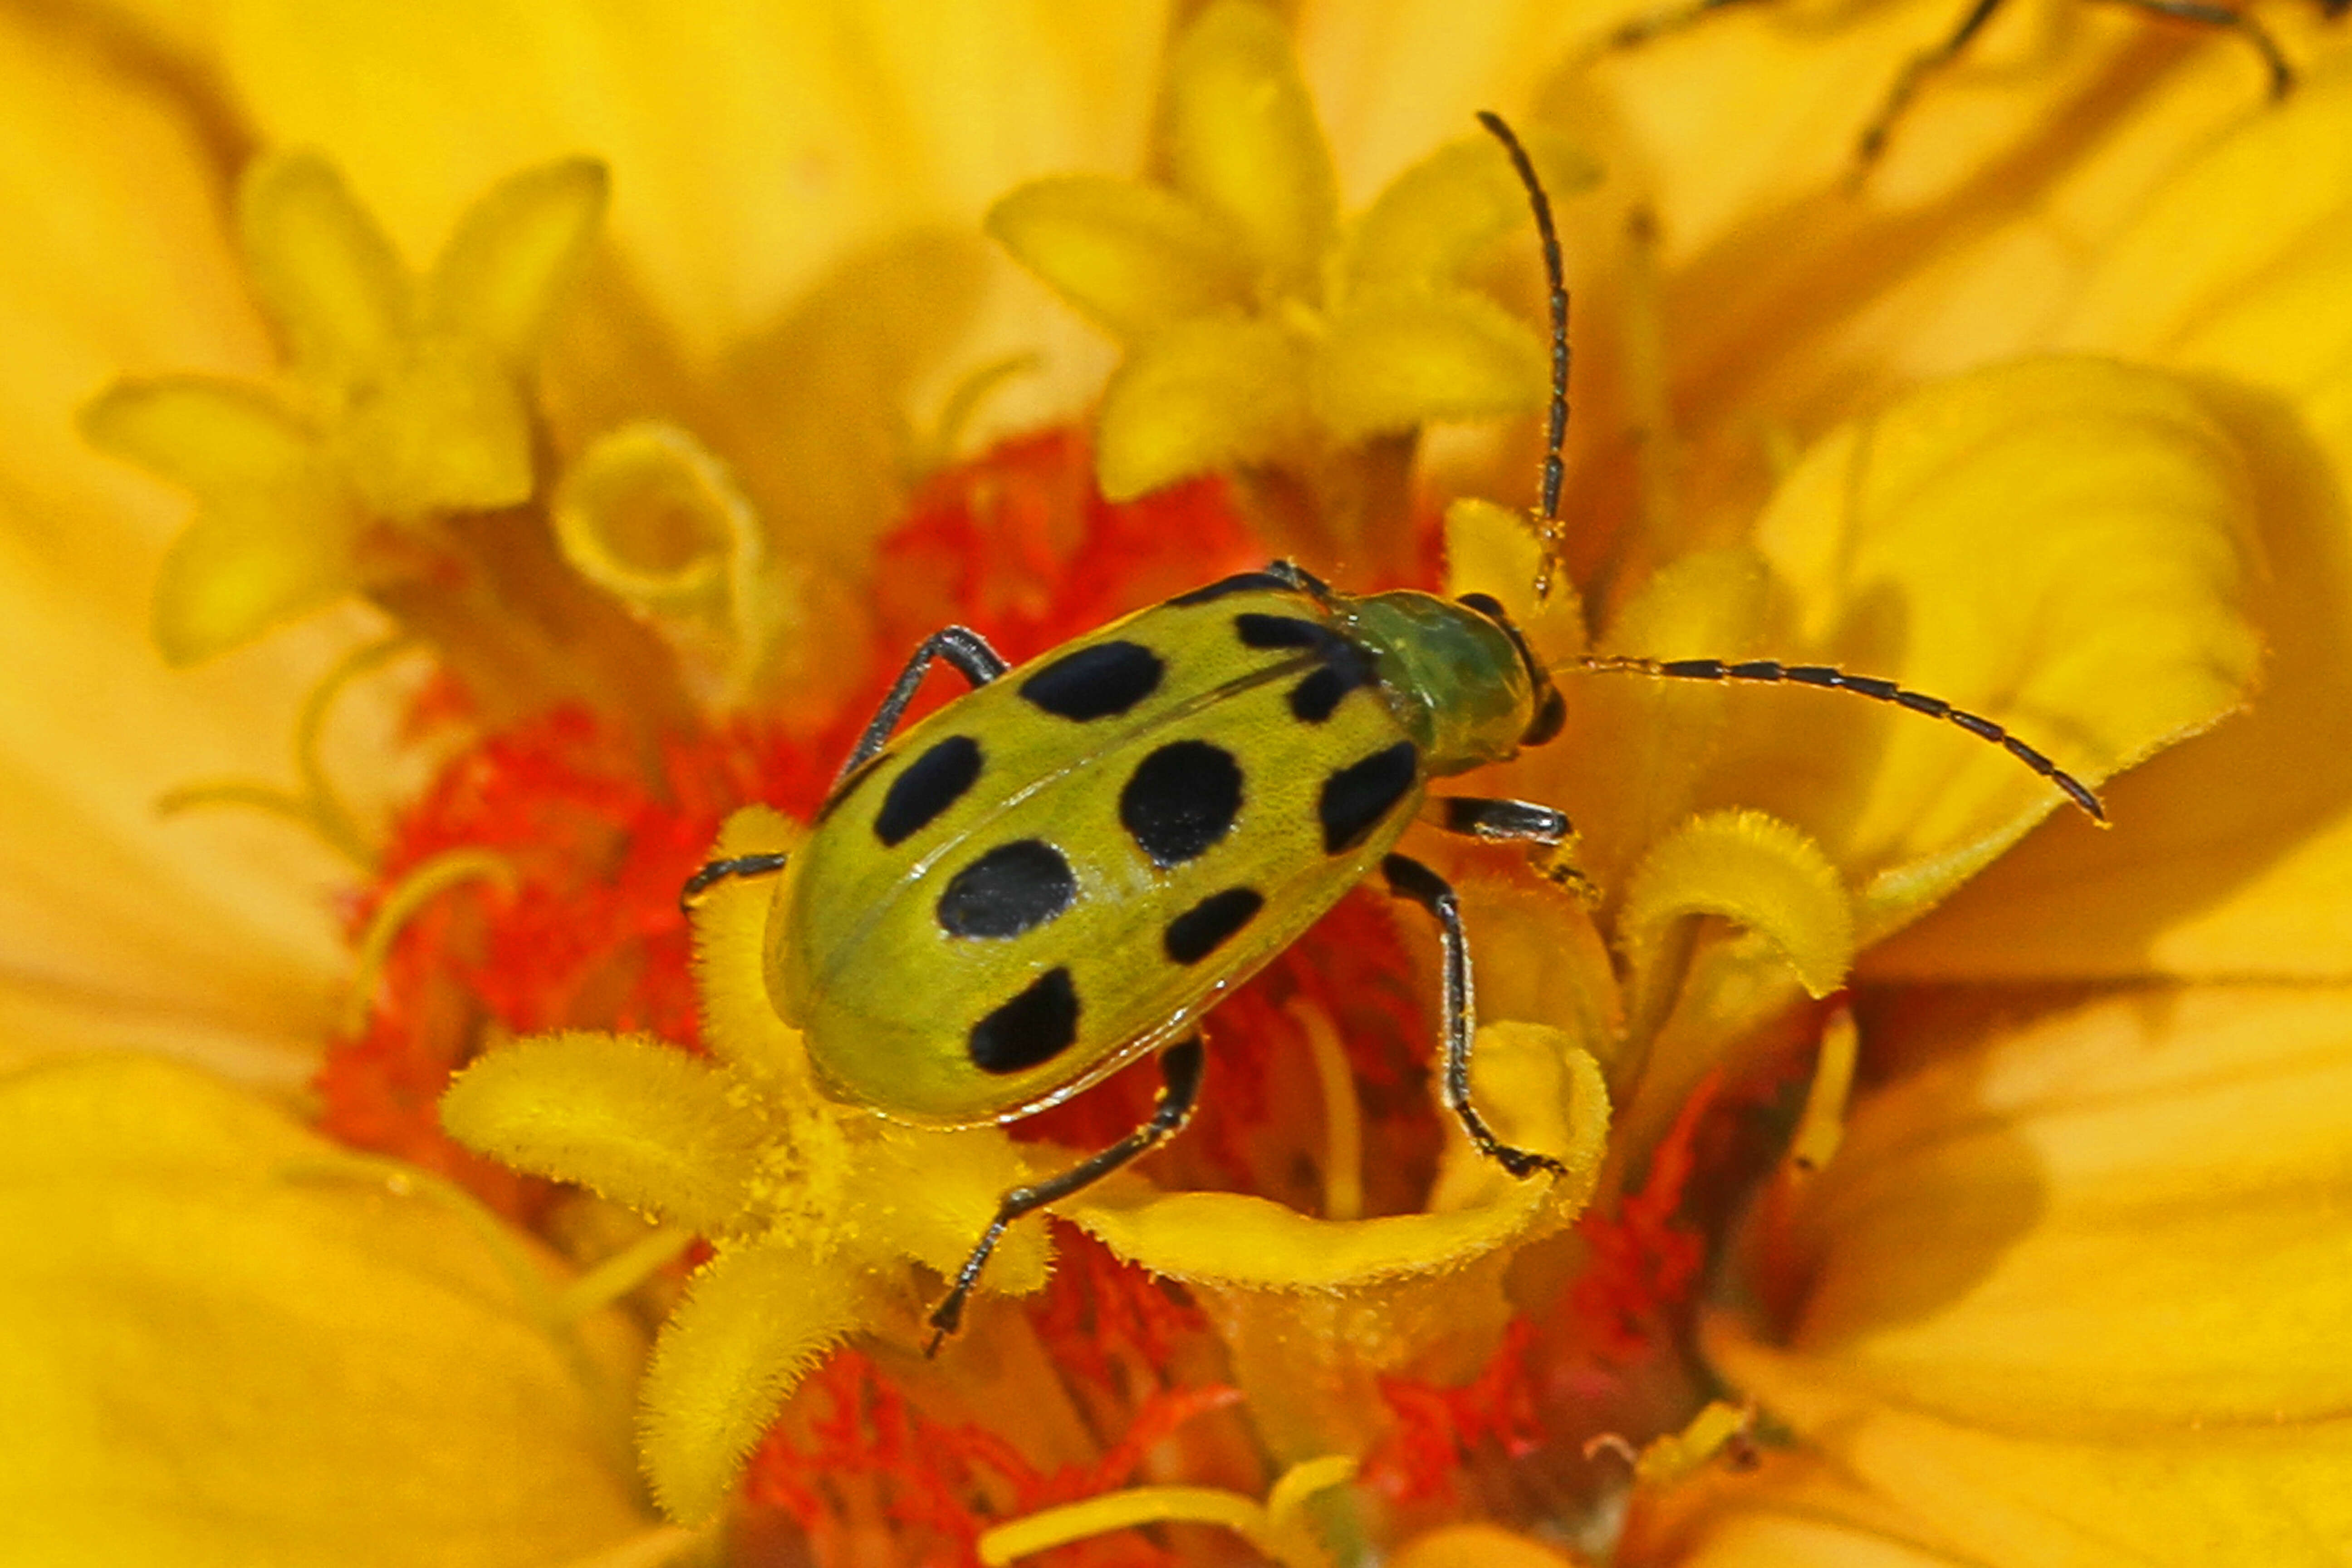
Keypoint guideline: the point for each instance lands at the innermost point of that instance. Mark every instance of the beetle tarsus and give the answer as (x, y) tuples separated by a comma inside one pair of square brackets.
[(1181, 1068)]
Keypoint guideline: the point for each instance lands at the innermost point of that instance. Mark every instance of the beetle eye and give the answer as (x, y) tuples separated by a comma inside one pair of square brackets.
[(1485, 605), (1552, 712)]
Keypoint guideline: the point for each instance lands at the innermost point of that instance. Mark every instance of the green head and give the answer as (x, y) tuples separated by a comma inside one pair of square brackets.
[(1470, 689)]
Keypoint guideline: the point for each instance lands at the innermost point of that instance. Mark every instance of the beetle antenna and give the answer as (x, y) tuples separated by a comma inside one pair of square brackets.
[(1555, 467), (1822, 675)]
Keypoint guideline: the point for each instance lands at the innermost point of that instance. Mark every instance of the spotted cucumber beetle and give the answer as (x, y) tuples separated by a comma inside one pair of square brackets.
[(1063, 869)]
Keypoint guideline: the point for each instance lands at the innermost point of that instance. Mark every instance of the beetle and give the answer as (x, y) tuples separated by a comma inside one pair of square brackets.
[(1061, 871)]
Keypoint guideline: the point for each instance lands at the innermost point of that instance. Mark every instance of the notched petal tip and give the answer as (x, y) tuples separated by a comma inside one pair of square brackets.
[(324, 273), (1437, 217), (1243, 141), (1395, 364), (515, 252)]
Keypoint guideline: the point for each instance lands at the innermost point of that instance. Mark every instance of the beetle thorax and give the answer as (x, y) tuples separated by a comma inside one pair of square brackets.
[(1458, 680)]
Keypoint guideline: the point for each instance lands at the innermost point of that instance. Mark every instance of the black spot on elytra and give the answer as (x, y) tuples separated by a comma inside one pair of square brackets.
[(1211, 923), (1013, 888), (1239, 582), (1348, 667), (1356, 796), (1096, 682), (1181, 800), (1259, 630), (929, 785), (1032, 1028)]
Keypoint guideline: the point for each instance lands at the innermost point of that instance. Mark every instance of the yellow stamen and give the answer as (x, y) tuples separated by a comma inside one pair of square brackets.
[(963, 403), (410, 894), (317, 805), (1343, 1125), (605, 1283), (1277, 1527), (1823, 1123)]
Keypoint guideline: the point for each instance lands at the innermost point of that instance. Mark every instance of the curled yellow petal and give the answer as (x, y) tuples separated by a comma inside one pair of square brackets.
[(1748, 867), (515, 251), (1243, 138), (755, 1319), (650, 514), (224, 1349), (1202, 395), (1393, 364), (1134, 256), (639, 1121), (324, 271), (1536, 1088)]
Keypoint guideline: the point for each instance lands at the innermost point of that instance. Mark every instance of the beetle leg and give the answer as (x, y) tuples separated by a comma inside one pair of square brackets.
[(2244, 26), (960, 647), (1409, 878), (1501, 821), (720, 870), (1516, 822), (1181, 1068)]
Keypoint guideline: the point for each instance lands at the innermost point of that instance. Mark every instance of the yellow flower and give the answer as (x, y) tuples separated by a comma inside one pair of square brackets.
[(2043, 417)]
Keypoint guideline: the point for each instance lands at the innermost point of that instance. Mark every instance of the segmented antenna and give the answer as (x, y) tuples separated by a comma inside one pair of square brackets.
[(1758, 669), (1774, 672), (1555, 467)]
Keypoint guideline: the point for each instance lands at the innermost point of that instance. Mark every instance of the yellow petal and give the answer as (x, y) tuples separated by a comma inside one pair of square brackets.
[(1446, 211), (515, 252), (2072, 1292), (1393, 365), (249, 563), (320, 267), (1477, 1546), (740, 1021), (1204, 394), (638, 1122), (755, 1319), (1490, 549), (753, 150), (2236, 854), (204, 936), (1534, 1086), (444, 429), (648, 514), (1242, 139), (1134, 256), (1315, 1313), (2059, 545), (205, 435), (228, 1348), (1758, 872)]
